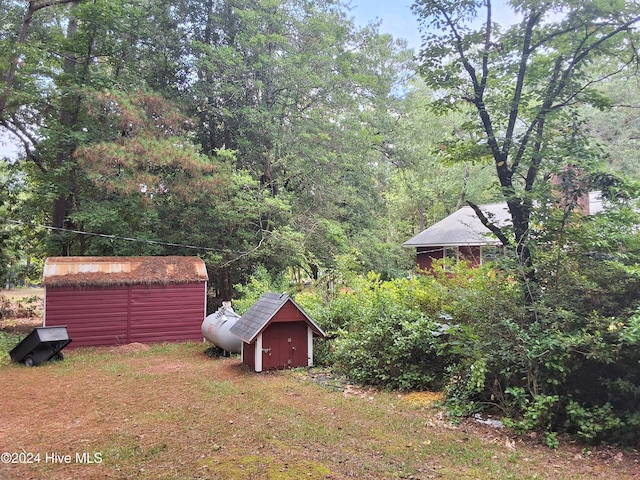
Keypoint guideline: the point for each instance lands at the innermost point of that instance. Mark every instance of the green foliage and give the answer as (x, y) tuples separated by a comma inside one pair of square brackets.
[(400, 333), (259, 283), (537, 413), (391, 345), (565, 365), (591, 423), (569, 362)]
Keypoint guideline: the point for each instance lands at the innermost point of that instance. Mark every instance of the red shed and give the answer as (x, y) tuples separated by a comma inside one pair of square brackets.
[(276, 333), (118, 300)]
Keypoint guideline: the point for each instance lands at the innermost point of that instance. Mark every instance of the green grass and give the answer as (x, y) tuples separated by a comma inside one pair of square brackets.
[(7, 342), (171, 412)]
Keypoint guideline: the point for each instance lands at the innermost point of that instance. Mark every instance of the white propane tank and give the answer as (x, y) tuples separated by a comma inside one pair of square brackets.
[(215, 329)]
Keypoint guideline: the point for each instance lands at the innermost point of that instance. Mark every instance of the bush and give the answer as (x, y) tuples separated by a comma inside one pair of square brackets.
[(569, 363), (402, 334), (398, 350)]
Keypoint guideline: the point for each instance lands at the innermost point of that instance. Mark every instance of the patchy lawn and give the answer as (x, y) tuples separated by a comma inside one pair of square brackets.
[(172, 412)]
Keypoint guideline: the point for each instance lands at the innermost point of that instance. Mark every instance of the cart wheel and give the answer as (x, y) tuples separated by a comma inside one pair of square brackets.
[(28, 361), (58, 357)]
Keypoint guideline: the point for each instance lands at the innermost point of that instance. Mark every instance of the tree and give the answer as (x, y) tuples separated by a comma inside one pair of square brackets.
[(617, 129), (431, 179), (522, 82), (301, 95), (17, 49)]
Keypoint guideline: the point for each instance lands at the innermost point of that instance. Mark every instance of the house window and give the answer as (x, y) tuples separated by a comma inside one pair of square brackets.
[(489, 253), (450, 257)]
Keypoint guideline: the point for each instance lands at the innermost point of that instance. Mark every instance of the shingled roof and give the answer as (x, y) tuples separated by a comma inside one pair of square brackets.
[(464, 228), (253, 322)]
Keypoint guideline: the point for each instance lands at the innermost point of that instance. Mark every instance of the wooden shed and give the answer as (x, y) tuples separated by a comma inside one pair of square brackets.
[(119, 300), (276, 333)]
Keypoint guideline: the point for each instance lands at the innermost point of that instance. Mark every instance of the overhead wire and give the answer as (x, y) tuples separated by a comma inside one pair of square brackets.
[(138, 240)]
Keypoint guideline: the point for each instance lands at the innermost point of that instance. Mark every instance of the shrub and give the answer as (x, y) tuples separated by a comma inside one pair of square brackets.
[(569, 363)]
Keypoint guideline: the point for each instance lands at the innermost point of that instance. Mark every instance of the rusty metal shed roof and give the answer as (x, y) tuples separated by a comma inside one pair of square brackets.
[(121, 271), (260, 314)]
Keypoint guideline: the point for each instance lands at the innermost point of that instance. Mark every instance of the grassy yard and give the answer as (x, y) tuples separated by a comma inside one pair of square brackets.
[(172, 412)]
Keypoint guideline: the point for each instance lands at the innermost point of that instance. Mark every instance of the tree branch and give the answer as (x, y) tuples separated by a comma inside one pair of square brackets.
[(517, 94), (497, 231), (487, 46), (10, 75)]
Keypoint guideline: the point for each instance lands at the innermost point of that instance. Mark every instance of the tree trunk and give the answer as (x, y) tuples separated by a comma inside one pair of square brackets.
[(225, 283), (68, 117), (520, 216), (422, 222)]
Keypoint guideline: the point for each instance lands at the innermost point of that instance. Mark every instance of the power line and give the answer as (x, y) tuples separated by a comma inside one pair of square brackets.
[(130, 239)]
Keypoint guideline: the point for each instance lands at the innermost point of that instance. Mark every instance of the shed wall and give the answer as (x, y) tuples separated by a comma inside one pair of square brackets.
[(138, 313), (288, 313), (249, 354)]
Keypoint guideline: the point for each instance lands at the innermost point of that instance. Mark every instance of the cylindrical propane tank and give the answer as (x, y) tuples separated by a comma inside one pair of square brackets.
[(215, 329)]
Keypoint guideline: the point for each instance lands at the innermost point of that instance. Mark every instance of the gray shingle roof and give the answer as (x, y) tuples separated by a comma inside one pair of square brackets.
[(464, 228), (260, 314)]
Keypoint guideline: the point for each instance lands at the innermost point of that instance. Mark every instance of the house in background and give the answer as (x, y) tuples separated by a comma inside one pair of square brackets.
[(118, 300), (462, 235), (276, 333)]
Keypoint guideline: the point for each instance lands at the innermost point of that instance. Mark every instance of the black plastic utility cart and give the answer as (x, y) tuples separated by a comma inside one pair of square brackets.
[(41, 345)]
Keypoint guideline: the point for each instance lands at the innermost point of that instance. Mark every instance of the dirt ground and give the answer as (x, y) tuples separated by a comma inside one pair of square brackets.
[(172, 412), (21, 310)]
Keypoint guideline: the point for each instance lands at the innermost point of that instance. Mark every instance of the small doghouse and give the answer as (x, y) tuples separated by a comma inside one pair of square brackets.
[(119, 300), (276, 333)]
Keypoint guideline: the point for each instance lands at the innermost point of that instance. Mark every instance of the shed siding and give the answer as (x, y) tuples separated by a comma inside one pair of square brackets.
[(136, 313), (288, 313), (93, 316), (166, 313)]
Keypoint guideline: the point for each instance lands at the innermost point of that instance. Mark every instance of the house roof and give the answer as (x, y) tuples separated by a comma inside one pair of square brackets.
[(121, 271), (464, 228), (254, 321)]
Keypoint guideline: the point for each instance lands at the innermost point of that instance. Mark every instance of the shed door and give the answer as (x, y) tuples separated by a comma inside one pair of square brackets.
[(284, 345)]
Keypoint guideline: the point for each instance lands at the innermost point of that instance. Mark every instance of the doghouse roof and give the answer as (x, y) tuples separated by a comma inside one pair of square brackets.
[(121, 271), (254, 321)]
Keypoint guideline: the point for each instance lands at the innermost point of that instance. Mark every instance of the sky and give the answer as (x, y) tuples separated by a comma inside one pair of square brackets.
[(395, 15), (398, 20)]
